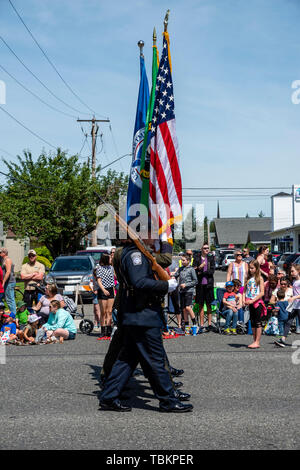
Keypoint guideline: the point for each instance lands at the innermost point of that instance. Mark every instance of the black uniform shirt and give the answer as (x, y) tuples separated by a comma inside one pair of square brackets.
[(141, 304)]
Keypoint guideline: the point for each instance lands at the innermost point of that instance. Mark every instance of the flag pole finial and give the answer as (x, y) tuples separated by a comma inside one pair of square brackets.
[(166, 21), (141, 46), (154, 37)]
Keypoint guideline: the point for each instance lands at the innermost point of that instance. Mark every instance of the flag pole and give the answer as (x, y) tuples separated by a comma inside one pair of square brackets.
[(166, 21), (141, 46), (154, 36)]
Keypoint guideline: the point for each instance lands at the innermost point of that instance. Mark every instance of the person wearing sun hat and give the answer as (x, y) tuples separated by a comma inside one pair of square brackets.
[(22, 315), (28, 335), (9, 325)]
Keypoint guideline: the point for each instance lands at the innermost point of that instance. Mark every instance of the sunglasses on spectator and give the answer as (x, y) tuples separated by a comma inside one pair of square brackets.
[(205, 248)]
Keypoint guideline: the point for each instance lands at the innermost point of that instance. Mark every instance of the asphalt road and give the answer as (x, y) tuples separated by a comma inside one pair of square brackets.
[(242, 399)]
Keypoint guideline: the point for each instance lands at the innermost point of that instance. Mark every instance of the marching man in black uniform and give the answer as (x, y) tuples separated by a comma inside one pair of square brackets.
[(140, 315)]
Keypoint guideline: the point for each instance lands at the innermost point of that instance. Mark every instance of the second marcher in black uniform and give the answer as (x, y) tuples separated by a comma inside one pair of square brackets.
[(164, 259), (140, 312)]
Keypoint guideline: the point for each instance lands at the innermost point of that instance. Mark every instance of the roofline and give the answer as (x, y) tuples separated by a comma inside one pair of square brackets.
[(292, 227)]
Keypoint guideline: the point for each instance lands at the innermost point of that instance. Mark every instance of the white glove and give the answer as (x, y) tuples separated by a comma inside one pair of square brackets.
[(172, 285)]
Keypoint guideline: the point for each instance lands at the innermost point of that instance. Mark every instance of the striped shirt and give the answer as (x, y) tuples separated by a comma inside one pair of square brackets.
[(239, 272)]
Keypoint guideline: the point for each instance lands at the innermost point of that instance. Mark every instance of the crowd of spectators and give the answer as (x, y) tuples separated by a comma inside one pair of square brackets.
[(37, 318), (254, 288)]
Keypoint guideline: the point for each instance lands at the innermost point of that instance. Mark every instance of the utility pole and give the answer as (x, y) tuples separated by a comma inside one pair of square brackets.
[(94, 132)]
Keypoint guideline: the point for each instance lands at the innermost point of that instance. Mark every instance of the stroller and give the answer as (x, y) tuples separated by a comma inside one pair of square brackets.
[(86, 326)]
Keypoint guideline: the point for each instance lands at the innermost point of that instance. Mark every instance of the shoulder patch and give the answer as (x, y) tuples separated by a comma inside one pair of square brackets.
[(136, 258)]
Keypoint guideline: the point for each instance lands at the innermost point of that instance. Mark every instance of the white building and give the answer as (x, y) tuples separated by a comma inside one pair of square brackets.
[(285, 235)]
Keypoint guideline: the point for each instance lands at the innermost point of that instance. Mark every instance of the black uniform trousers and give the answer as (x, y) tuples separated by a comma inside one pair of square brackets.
[(142, 345), (115, 346)]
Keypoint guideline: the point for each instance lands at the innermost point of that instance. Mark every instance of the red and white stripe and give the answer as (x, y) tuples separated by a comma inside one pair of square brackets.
[(165, 189)]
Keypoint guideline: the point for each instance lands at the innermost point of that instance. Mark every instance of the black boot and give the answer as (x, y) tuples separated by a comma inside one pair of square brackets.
[(102, 333)]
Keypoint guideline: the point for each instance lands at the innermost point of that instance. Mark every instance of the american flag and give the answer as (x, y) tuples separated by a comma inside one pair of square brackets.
[(165, 189)]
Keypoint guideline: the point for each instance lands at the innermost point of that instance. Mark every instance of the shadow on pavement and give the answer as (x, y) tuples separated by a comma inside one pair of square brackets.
[(135, 390)]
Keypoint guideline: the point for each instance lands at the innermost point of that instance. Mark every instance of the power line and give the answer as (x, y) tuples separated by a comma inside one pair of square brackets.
[(84, 142), (18, 180), (29, 130), (5, 151), (49, 61), (231, 189), (115, 145), (114, 161), (36, 96), (236, 196), (37, 78)]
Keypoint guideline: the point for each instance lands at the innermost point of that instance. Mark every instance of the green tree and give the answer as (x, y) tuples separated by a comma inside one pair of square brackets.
[(53, 199), (261, 214)]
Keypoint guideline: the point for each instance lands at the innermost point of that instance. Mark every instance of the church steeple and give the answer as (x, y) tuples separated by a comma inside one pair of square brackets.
[(218, 211)]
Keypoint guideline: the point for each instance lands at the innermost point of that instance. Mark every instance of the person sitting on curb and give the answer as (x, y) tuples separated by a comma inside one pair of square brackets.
[(60, 325), (29, 334), (9, 327), (21, 316)]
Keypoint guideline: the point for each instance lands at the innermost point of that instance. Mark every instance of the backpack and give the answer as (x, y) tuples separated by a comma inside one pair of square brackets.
[(70, 305), (272, 327)]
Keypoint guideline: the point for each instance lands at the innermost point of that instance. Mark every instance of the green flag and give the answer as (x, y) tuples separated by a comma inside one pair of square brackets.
[(145, 162)]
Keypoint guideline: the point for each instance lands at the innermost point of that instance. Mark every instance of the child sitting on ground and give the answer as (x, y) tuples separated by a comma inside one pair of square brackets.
[(21, 316), (9, 327), (230, 302), (280, 308), (28, 335)]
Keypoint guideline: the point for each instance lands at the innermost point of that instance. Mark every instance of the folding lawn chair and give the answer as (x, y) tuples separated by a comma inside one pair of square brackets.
[(218, 306), (214, 311), (172, 319)]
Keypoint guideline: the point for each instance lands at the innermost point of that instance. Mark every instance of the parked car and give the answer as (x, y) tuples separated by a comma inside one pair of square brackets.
[(226, 261), (276, 257), (95, 253), (297, 260), (223, 253), (253, 253), (68, 272), (283, 259), (289, 261)]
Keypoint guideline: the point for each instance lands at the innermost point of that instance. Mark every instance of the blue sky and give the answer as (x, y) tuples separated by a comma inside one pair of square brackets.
[(233, 66)]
